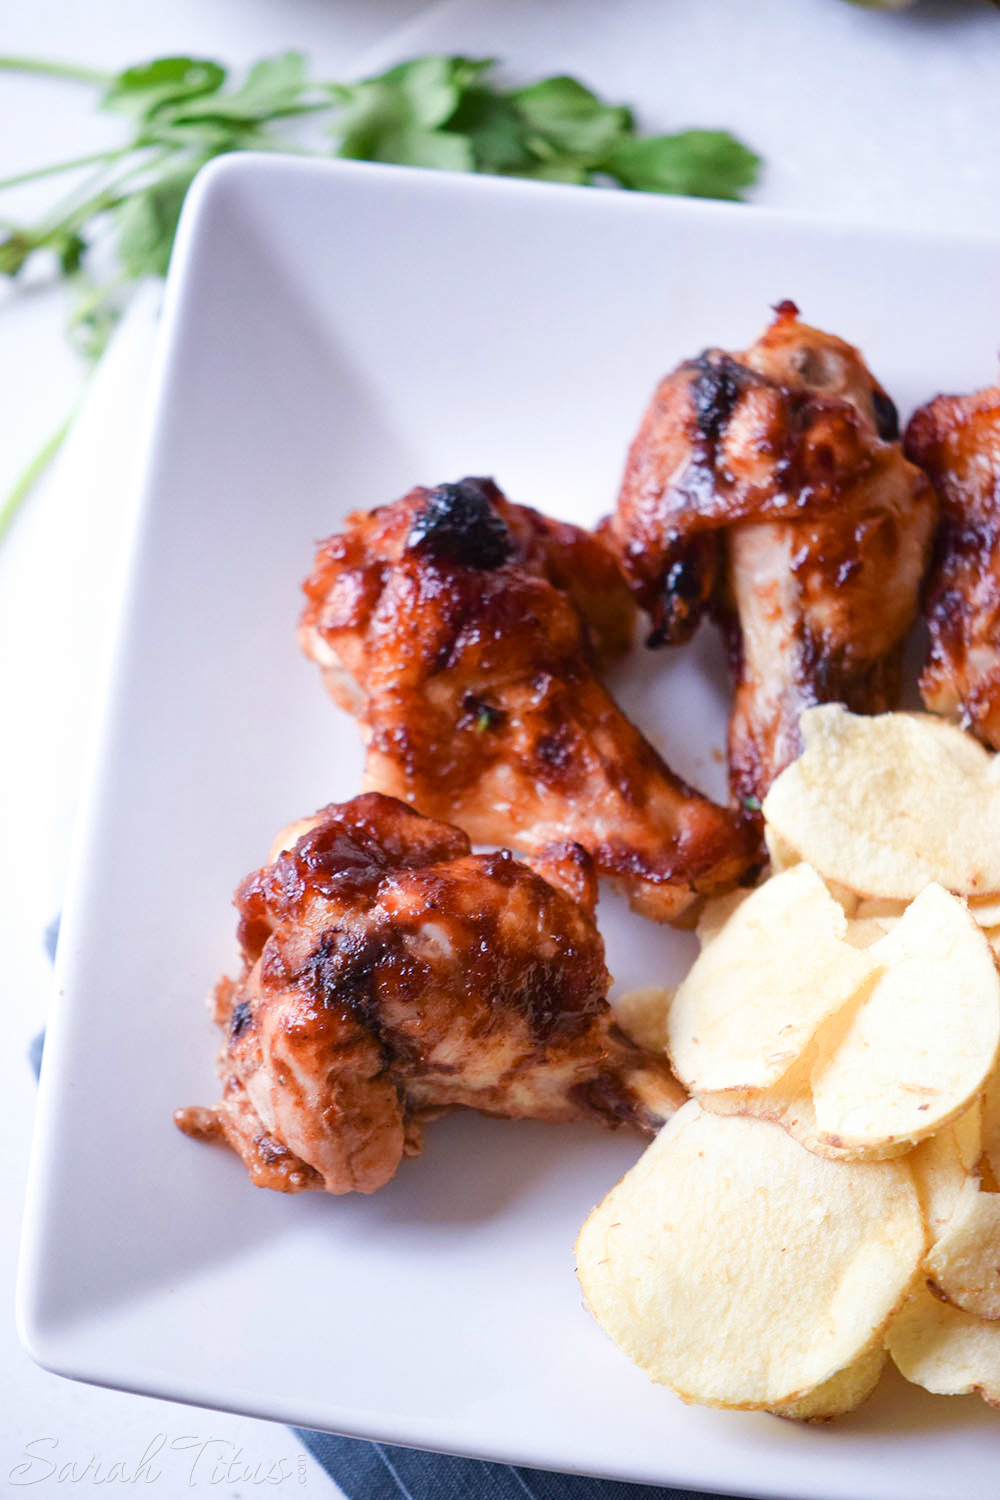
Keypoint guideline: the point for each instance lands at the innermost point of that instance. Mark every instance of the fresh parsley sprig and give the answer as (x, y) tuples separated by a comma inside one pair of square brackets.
[(437, 111)]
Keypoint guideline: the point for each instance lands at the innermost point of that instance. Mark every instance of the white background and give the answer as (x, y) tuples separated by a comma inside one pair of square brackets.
[(858, 115)]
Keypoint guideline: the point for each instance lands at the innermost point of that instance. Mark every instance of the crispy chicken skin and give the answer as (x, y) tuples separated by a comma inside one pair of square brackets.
[(389, 975), (956, 440), (768, 488), (464, 632)]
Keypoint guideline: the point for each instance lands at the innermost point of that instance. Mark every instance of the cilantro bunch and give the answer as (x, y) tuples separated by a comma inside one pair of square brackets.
[(438, 111)]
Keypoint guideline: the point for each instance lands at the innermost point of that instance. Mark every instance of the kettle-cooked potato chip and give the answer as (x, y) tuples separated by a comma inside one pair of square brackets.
[(789, 1103), (968, 1132), (944, 1349), (716, 913), (941, 1168), (921, 1044), (781, 855), (986, 911), (964, 1262), (886, 804), (842, 1393), (873, 910), (862, 932), (642, 1015), (742, 1271), (849, 1005), (762, 986), (991, 1122)]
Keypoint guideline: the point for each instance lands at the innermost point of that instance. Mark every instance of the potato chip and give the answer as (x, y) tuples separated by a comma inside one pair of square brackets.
[(968, 1129), (845, 899), (781, 855), (871, 920), (991, 1121), (862, 932), (871, 910), (762, 986), (919, 1047), (987, 1180), (945, 1350), (886, 804), (742, 1271), (716, 913), (642, 1015), (964, 1262), (840, 1394), (986, 911), (941, 1170), (789, 1103)]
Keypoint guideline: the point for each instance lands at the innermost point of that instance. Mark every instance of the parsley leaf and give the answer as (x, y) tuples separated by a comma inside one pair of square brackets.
[(494, 128), (567, 123), (699, 163), (14, 252), (420, 95), (146, 223), (143, 91), (273, 88)]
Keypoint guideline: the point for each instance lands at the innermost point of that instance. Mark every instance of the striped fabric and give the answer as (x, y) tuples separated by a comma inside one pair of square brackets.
[(376, 1471)]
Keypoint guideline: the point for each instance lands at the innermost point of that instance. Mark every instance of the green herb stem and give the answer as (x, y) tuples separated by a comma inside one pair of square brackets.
[(95, 158), (42, 69), (30, 476), (99, 296), (88, 202)]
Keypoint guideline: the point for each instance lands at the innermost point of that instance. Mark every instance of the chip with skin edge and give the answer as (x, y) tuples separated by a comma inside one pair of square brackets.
[(642, 1015), (945, 1350), (742, 1271), (942, 1165), (963, 1263), (843, 1392), (921, 1045), (764, 983), (885, 804)]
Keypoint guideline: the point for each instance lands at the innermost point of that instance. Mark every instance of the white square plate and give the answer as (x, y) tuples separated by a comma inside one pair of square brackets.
[(334, 334)]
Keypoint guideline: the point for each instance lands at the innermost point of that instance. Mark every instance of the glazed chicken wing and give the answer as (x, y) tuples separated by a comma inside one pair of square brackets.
[(463, 631), (390, 975), (769, 489), (956, 440)]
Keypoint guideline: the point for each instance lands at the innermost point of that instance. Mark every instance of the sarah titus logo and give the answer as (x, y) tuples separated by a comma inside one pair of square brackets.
[(192, 1461)]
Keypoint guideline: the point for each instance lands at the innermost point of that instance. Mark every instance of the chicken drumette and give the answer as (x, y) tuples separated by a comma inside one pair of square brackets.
[(769, 488), (464, 631), (956, 439), (390, 975)]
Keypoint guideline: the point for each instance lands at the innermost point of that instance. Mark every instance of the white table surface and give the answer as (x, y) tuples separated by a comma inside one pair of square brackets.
[(859, 115)]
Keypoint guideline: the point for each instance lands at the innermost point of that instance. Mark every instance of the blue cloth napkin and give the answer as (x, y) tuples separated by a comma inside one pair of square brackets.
[(377, 1471)]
